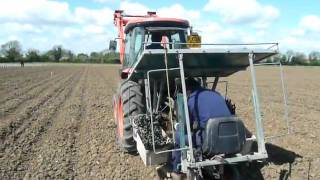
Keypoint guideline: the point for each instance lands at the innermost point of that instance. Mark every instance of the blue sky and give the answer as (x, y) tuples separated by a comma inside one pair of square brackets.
[(87, 25)]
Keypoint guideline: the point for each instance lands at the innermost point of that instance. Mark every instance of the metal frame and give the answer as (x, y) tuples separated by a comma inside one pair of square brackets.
[(190, 162), (186, 111), (256, 103), (261, 154), (149, 108), (270, 47), (214, 162), (285, 100), (190, 155)]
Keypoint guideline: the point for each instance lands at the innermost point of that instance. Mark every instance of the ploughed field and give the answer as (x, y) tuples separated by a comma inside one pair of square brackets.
[(56, 122)]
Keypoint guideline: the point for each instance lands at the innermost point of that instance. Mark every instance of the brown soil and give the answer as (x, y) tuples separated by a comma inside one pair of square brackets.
[(61, 126)]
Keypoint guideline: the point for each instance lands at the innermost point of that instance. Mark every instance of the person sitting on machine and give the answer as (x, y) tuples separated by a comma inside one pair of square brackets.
[(203, 104), (156, 39)]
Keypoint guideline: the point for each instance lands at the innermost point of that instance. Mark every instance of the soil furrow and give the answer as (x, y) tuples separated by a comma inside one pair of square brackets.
[(20, 148), (13, 122), (23, 78), (55, 159), (98, 151), (14, 74), (15, 101), (27, 86), (86, 143)]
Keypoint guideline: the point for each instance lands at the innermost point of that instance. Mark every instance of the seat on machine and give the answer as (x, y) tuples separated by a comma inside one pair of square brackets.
[(224, 135)]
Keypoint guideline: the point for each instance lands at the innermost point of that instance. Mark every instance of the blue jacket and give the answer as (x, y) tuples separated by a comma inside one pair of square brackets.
[(211, 104), (204, 104)]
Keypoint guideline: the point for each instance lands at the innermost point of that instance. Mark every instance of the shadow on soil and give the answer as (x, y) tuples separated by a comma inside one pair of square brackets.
[(278, 156)]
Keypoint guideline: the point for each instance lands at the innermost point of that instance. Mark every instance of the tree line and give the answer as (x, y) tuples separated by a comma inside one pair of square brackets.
[(296, 58), (12, 52)]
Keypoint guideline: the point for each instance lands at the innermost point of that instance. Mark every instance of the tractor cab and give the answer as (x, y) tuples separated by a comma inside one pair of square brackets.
[(153, 34)]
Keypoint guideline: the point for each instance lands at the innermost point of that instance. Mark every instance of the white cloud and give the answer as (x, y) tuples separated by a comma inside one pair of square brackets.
[(94, 29), (133, 8), (297, 32), (213, 32), (310, 23), (35, 12), (303, 44), (44, 23), (12, 38), (244, 11), (50, 12), (70, 32), (93, 16), (105, 1), (308, 27), (20, 27), (85, 32), (304, 37), (54, 22), (179, 12)]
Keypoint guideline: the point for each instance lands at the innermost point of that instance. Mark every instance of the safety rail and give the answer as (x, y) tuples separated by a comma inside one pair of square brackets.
[(266, 46)]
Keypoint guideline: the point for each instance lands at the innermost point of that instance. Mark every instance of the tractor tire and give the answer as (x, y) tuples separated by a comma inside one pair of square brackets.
[(131, 103)]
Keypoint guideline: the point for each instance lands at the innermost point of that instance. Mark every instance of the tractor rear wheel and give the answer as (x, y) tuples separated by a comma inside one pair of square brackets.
[(130, 103)]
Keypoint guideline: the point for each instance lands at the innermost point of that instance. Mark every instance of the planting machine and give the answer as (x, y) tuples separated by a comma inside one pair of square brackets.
[(152, 99)]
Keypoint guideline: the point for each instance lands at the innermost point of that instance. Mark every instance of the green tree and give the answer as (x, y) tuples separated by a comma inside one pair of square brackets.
[(2, 59), (300, 59), (33, 55), (12, 51), (82, 58), (314, 56), (111, 57), (70, 56), (290, 56), (57, 53), (45, 57), (94, 57), (283, 59)]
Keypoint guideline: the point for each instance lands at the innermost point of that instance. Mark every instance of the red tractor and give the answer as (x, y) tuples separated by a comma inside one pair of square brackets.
[(157, 55)]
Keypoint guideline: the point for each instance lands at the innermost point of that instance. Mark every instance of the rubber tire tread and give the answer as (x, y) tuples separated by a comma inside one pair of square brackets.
[(132, 104)]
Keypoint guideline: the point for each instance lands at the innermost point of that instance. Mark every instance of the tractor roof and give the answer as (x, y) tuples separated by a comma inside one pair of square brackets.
[(155, 22), (214, 61)]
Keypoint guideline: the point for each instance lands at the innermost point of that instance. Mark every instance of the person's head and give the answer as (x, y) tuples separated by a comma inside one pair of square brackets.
[(156, 37), (192, 85)]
